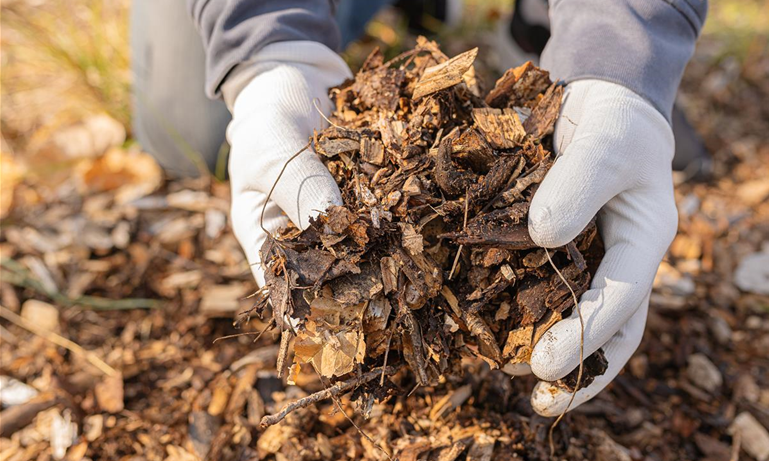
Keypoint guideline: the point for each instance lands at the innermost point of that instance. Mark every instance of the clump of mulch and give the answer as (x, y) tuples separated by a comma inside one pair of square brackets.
[(429, 260)]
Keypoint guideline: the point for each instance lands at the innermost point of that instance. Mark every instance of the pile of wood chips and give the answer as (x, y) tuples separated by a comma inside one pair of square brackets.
[(430, 258)]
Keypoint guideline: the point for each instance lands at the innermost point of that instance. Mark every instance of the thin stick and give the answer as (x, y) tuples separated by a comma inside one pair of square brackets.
[(237, 335), (403, 55), (413, 390), (315, 103), (285, 338), (456, 261), (336, 389), (58, 340), (464, 227), (387, 353), (272, 189), (344, 413), (248, 333), (581, 354)]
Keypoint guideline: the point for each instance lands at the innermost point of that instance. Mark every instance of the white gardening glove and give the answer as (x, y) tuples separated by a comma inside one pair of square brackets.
[(273, 116), (615, 151)]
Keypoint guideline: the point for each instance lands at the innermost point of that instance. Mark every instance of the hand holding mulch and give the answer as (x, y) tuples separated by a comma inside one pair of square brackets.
[(430, 258)]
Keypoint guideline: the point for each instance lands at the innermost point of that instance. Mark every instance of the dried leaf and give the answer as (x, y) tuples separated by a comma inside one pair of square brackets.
[(411, 239), (332, 354)]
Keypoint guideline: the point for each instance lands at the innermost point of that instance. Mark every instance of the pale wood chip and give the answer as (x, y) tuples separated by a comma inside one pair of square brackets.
[(502, 128), (445, 75)]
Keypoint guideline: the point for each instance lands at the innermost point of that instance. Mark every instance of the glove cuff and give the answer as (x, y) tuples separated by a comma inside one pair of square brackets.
[(327, 65)]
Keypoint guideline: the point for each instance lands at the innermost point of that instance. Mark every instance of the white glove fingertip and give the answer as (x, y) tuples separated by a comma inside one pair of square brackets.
[(550, 400), (314, 190), (246, 224), (542, 227)]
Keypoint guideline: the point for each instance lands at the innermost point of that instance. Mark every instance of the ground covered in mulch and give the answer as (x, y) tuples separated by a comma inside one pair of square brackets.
[(116, 284)]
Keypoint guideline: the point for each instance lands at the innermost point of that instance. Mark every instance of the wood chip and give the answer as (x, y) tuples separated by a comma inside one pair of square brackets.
[(501, 127), (445, 75)]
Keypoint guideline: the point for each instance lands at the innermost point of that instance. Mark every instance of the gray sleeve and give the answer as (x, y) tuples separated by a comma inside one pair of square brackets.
[(641, 44), (234, 30)]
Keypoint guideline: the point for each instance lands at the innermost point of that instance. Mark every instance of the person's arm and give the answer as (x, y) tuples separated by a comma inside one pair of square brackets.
[(622, 61), (642, 45), (235, 31), (273, 62)]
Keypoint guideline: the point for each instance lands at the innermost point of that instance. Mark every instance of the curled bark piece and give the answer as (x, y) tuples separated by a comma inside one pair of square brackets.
[(481, 330), (450, 179), (542, 119), (514, 193), (503, 228), (517, 85), (471, 147), (493, 183)]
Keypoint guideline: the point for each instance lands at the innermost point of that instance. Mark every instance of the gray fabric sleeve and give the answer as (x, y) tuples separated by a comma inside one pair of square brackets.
[(235, 30), (641, 44)]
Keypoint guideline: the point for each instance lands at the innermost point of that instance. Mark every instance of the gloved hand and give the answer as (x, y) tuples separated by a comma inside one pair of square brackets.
[(271, 100), (615, 152)]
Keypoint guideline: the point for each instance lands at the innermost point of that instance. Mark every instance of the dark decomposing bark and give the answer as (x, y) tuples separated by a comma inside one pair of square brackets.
[(595, 365), (430, 257), (519, 86)]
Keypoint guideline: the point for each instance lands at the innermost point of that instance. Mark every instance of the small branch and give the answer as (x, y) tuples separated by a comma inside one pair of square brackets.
[(272, 189), (336, 389), (464, 229), (58, 340), (285, 338), (341, 410)]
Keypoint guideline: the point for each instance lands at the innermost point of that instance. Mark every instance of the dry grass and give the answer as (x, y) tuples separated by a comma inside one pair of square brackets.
[(740, 28), (62, 60)]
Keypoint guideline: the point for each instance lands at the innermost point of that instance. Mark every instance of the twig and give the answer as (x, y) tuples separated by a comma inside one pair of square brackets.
[(58, 340), (315, 103), (336, 389), (464, 228), (248, 333), (581, 354), (387, 353), (344, 413), (285, 338), (413, 390), (272, 189), (403, 55)]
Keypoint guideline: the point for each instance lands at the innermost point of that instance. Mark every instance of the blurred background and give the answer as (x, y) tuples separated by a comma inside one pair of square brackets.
[(117, 280)]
